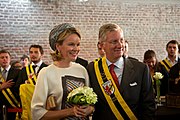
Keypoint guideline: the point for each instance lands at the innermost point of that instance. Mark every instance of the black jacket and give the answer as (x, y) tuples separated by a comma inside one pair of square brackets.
[(82, 62), (22, 77)]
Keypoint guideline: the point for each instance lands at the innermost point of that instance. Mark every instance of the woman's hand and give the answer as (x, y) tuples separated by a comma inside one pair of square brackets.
[(83, 111)]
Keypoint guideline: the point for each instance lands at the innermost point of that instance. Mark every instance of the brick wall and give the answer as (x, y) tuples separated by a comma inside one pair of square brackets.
[(147, 25)]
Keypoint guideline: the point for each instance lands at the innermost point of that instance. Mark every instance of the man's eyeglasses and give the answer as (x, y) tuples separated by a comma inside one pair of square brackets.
[(116, 42)]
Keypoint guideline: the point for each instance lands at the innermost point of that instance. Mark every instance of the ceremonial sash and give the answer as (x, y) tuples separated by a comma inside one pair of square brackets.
[(97, 59), (166, 64), (31, 75), (26, 93), (117, 104), (9, 95)]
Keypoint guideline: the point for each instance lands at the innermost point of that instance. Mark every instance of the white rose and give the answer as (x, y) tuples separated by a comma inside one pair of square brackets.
[(158, 75)]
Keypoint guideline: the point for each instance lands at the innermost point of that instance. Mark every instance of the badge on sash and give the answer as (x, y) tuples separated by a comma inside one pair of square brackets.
[(31, 75), (108, 87)]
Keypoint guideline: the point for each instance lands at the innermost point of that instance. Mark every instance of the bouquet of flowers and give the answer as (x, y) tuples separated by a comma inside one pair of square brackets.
[(82, 96), (157, 76)]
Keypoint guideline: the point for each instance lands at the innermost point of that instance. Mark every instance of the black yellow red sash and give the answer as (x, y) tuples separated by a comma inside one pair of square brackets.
[(117, 104), (166, 64), (26, 93), (31, 74), (9, 95)]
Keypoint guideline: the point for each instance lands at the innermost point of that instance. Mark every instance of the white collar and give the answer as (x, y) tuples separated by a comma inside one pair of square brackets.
[(38, 64), (6, 68), (176, 60), (118, 63)]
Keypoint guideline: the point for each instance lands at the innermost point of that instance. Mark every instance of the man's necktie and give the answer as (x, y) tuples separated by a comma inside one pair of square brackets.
[(34, 68), (4, 74), (113, 74)]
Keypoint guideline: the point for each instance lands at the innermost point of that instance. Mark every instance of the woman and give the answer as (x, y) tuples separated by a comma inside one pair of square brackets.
[(151, 60), (61, 77)]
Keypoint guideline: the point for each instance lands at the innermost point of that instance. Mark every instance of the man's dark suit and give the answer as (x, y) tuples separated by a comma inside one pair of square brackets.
[(12, 74), (174, 74), (22, 77), (82, 62), (134, 72)]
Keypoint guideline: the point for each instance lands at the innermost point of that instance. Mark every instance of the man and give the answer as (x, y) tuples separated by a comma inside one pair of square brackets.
[(174, 79), (172, 54), (171, 59), (174, 76), (29, 75), (36, 53), (126, 50), (125, 89), (25, 60), (8, 77)]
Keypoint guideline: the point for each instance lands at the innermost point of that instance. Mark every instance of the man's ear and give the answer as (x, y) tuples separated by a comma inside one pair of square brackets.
[(166, 48), (101, 44)]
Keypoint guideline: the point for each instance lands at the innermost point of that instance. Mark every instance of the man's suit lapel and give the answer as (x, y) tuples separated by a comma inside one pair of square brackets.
[(10, 74), (42, 65), (127, 76)]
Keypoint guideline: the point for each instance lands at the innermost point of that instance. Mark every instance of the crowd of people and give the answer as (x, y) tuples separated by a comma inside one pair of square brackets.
[(125, 87)]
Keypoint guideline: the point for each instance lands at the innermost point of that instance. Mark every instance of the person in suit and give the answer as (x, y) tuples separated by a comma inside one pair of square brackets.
[(174, 79), (27, 79), (126, 50), (171, 59), (36, 53), (123, 86), (81, 61), (8, 77)]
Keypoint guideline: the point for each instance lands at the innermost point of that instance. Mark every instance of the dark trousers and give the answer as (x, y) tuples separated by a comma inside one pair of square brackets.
[(8, 115)]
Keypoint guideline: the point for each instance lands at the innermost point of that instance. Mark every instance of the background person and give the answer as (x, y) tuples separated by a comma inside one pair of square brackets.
[(171, 59), (7, 81), (17, 64), (61, 77), (174, 79), (126, 50), (121, 84), (36, 53), (151, 60), (25, 60), (27, 79)]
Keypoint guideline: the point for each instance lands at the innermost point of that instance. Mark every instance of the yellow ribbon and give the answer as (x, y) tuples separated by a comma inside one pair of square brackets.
[(117, 94)]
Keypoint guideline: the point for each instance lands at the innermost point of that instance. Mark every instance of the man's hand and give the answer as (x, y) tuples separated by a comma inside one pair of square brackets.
[(7, 84), (27, 82), (177, 80)]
